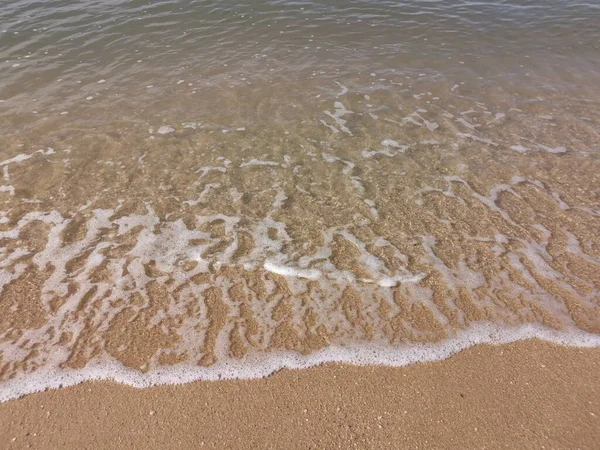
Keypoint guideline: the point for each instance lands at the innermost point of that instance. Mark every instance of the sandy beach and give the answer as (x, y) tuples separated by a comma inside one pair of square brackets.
[(527, 395)]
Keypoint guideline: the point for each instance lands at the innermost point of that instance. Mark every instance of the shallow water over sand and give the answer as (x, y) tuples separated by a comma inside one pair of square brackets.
[(204, 190)]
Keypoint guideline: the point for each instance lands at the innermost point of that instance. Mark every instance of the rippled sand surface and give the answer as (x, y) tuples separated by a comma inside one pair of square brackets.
[(204, 190)]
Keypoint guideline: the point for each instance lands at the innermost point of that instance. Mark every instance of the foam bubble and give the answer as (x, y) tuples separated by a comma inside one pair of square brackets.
[(286, 271), (165, 129)]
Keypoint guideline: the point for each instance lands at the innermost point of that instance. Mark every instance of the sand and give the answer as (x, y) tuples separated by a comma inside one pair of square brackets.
[(528, 394)]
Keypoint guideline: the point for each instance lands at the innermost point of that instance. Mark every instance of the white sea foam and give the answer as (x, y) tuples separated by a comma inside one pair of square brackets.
[(259, 365), (287, 271), (165, 129), (344, 90), (256, 162), (340, 111), (24, 157), (8, 188), (559, 149), (519, 148), (390, 148)]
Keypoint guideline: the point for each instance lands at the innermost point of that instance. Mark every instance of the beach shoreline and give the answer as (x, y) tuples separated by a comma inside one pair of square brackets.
[(527, 394), (300, 225)]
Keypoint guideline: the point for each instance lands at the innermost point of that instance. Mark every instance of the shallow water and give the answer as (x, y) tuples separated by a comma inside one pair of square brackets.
[(217, 189)]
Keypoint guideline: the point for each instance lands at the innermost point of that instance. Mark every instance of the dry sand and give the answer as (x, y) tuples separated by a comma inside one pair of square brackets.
[(524, 395)]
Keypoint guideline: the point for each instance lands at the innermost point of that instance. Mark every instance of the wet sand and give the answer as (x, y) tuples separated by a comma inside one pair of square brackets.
[(529, 394)]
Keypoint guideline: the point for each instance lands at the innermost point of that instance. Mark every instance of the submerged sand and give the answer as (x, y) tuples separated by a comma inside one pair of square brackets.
[(529, 394), (147, 246)]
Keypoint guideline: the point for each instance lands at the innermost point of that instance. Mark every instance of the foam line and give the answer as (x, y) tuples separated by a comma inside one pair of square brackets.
[(262, 365)]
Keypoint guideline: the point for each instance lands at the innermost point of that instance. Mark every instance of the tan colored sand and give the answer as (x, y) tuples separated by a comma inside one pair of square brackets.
[(524, 395)]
